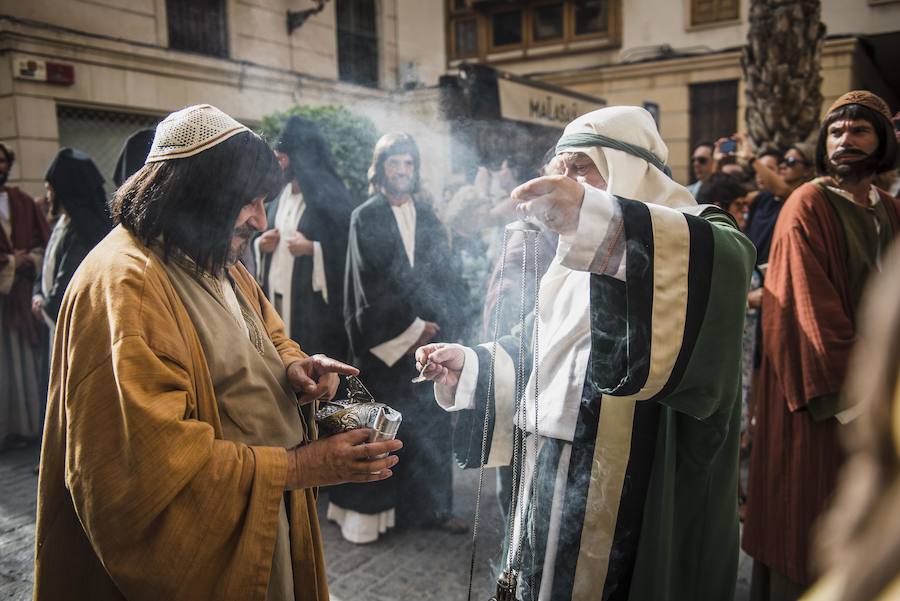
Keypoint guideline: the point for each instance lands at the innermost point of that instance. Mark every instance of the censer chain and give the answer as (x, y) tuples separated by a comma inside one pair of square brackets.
[(487, 407), (508, 580)]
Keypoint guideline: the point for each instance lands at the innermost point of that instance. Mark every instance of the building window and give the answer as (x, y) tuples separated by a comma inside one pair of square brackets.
[(548, 22), (465, 37), (357, 39), (713, 111), (476, 29), (591, 17), (706, 12), (198, 26), (506, 29)]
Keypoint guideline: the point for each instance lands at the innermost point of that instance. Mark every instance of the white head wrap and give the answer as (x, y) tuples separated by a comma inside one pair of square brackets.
[(190, 131), (627, 175)]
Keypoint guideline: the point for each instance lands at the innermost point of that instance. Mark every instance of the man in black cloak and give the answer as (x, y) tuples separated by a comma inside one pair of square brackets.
[(401, 290), (300, 259)]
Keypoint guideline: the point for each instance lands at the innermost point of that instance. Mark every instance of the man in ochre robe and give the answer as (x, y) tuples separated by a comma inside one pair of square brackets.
[(830, 236), (639, 369), (179, 460)]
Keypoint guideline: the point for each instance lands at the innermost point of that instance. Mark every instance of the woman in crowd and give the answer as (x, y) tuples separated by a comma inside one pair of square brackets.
[(76, 195)]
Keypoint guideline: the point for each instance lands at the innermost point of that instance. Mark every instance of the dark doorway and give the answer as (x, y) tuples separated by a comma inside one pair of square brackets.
[(357, 42)]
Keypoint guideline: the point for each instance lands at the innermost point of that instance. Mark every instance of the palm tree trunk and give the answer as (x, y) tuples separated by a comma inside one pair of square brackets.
[(781, 70)]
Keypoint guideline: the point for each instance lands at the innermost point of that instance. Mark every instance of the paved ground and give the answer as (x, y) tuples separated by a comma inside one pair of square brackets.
[(417, 565)]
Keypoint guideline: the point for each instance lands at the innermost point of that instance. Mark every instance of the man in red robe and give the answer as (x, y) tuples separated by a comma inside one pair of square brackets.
[(23, 236), (830, 236)]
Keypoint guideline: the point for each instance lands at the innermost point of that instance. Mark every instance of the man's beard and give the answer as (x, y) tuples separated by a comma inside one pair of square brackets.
[(855, 171), (244, 233), (3, 177), (400, 189)]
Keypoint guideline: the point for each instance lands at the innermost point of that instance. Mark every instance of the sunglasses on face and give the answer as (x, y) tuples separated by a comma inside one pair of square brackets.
[(793, 162), (700, 160)]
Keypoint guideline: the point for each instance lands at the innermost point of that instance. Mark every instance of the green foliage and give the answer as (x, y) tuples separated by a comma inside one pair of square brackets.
[(351, 138)]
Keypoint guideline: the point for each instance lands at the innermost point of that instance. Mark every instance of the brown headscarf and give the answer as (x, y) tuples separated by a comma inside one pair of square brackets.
[(864, 98)]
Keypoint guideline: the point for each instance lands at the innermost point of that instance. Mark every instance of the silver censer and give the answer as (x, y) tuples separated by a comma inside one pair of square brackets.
[(361, 410)]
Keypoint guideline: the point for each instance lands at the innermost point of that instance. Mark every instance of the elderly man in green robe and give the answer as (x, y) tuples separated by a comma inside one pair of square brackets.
[(639, 321)]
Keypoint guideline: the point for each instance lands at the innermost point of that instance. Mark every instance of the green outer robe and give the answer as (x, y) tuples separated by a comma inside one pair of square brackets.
[(659, 422)]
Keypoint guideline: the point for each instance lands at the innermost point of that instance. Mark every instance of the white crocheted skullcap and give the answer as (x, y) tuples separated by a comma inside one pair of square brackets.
[(190, 131)]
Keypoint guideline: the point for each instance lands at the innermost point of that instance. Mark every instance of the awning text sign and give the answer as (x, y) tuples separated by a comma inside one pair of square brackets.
[(521, 102)]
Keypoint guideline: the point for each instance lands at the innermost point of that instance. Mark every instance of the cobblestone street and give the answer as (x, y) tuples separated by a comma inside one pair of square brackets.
[(420, 565)]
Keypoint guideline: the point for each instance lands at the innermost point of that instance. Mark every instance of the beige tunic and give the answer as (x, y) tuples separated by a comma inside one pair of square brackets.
[(256, 402)]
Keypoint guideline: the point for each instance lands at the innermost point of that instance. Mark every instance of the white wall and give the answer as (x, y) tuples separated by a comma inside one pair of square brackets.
[(656, 22), (421, 39), (858, 16)]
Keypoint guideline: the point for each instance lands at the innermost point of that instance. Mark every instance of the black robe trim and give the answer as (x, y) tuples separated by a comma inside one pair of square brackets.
[(469, 428), (635, 345)]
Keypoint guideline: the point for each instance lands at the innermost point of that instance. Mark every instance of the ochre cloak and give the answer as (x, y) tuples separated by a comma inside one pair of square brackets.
[(140, 497), (809, 330)]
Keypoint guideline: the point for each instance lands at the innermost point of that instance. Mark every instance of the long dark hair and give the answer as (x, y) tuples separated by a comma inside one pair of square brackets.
[(885, 156), (193, 202), (389, 145)]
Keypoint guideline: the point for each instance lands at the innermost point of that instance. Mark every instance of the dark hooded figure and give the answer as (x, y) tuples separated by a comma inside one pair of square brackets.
[(76, 195), (134, 154), (300, 259)]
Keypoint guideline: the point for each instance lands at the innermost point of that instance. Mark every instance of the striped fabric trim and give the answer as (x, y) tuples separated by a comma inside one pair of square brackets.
[(630, 519), (662, 247), (671, 260), (575, 495), (702, 256), (611, 454), (658, 256)]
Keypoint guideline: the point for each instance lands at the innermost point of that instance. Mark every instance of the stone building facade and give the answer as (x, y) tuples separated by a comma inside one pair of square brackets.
[(86, 73)]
